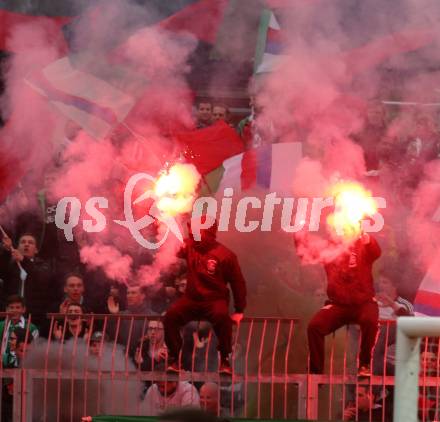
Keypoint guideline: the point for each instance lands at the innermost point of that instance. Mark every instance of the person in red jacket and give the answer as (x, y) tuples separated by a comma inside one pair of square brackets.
[(211, 268), (350, 291)]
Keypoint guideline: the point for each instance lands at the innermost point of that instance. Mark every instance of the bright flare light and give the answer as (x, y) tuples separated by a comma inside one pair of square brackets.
[(352, 204), (175, 189)]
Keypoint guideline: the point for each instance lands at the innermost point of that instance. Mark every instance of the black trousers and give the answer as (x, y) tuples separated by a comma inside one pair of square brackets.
[(185, 310), (333, 316)]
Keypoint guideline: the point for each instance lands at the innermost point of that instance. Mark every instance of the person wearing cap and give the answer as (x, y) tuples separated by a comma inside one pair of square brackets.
[(96, 340), (211, 268)]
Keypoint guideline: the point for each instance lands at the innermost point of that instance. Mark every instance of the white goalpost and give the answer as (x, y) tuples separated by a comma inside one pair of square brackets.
[(410, 330)]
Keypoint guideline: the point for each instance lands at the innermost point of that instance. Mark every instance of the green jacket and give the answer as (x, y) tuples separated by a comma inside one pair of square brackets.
[(9, 358)]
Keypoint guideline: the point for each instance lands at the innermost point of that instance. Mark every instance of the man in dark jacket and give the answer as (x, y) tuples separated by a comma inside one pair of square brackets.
[(211, 267), (130, 330), (28, 276), (350, 291)]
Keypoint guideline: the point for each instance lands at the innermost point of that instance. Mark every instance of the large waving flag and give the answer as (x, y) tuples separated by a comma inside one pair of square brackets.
[(92, 103), (207, 148), (201, 18), (271, 167), (269, 47)]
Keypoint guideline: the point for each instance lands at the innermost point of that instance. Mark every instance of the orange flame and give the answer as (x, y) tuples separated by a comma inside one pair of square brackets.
[(352, 204), (176, 188)]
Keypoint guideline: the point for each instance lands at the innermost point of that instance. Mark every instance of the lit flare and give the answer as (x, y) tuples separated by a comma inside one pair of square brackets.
[(175, 189), (353, 203)]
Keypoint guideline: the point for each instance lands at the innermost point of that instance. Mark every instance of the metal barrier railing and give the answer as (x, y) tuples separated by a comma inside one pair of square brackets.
[(74, 373)]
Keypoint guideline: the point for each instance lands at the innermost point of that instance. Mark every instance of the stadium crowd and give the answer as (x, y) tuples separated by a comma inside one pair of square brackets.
[(42, 273)]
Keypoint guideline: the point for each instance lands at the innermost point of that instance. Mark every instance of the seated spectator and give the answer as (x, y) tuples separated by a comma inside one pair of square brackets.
[(203, 114), (164, 395), (210, 399), (391, 305), (136, 304), (367, 403), (28, 276), (74, 325), (73, 292)]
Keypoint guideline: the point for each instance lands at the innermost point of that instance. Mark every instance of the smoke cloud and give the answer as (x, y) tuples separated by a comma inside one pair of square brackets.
[(82, 394), (340, 60), (147, 64)]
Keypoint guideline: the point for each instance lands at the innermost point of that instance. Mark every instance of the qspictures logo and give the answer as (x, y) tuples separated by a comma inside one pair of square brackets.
[(308, 212)]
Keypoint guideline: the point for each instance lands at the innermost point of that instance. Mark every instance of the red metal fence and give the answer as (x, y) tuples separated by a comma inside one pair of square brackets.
[(111, 372)]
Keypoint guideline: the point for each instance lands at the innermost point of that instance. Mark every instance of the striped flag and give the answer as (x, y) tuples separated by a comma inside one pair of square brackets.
[(270, 47), (92, 103), (269, 44), (427, 301), (271, 167), (201, 18)]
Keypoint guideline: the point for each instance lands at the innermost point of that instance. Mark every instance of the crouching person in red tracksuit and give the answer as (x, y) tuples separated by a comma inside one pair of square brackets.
[(351, 293), (211, 267)]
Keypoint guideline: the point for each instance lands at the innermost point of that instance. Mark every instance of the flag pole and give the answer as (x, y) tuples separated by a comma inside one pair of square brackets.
[(4, 234)]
